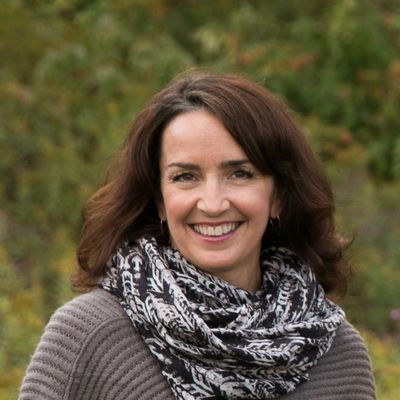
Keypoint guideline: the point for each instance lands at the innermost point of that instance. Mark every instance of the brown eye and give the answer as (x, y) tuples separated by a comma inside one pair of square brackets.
[(242, 174), (183, 177)]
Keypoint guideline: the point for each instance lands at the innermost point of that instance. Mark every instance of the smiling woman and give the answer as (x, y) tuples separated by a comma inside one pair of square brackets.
[(208, 256)]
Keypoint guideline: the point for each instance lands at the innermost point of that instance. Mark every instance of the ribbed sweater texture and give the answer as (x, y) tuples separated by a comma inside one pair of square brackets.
[(91, 351)]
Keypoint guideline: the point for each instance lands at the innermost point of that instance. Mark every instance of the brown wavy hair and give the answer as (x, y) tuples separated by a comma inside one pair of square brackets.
[(125, 206)]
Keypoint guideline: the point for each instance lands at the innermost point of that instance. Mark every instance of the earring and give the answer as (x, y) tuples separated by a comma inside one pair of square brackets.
[(277, 219), (163, 228)]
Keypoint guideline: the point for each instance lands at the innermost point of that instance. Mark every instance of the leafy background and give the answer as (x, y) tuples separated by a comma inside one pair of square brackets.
[(73, 73)]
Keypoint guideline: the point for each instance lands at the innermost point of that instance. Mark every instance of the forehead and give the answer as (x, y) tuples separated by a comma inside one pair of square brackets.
[(200, 136)]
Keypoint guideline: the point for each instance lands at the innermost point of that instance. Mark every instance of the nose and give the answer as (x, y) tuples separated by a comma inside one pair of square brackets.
[(213, 199)]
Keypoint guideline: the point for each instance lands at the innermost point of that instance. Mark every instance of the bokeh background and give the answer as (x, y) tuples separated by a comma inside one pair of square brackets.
[(73, 73)]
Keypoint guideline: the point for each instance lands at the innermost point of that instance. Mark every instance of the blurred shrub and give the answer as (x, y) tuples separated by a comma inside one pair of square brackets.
[(367, 214), (385, 354), (21, 325)]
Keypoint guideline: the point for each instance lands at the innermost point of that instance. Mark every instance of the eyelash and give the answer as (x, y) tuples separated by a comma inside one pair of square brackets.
[(181, 177), (187, 176), (245, 174)]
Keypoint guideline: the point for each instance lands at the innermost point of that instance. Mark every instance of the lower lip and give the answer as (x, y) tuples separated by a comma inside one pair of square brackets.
[(215, 238)]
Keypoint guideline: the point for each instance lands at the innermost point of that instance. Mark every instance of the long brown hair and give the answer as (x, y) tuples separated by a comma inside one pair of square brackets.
[(125, 206)]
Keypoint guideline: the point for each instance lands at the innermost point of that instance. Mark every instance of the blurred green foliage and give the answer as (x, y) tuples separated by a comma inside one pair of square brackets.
[(74, 72), (385, 353)]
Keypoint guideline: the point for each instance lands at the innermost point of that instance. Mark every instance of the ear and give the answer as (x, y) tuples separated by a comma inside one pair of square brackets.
[(161, 213), (160, 208), (276, 207)]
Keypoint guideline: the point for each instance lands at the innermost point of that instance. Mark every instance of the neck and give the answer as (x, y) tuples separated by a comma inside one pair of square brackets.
[(250, 282)]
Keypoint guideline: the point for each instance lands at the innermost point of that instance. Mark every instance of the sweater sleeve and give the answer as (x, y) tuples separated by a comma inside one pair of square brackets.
[(89, 350)]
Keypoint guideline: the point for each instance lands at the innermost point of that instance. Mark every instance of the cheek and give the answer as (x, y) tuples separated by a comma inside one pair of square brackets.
[(175, 203), (259, 201)]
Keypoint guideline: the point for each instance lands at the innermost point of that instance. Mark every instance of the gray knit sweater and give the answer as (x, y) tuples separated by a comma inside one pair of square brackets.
[(90, 351)]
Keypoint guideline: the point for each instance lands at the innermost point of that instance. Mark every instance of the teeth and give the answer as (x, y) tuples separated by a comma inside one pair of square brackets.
[(215, 230)]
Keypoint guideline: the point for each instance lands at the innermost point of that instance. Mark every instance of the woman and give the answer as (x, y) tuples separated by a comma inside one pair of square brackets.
[(208, 254)]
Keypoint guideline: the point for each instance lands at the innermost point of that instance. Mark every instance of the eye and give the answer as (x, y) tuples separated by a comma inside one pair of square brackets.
[(242, 174), (183, 177)]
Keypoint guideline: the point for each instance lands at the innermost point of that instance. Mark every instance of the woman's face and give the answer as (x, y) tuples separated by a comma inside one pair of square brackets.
[(216, 203)]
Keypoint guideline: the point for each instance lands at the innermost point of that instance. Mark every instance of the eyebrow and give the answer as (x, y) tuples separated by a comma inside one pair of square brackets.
[(224, 164), (235, 163)]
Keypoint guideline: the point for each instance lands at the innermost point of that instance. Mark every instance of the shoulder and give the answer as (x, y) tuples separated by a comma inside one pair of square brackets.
[(84, 320), (91, 350), (343, 373), (350, 351), (87, 312), (349, 340)]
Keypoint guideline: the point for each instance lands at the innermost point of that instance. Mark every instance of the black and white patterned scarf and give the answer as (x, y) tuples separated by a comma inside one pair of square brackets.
[(217, 341)]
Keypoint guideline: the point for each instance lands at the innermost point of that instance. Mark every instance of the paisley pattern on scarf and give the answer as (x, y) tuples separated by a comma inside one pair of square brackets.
[(214, 340)]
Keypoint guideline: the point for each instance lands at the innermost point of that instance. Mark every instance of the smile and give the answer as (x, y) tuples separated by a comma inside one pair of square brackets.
[(217, 230)]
